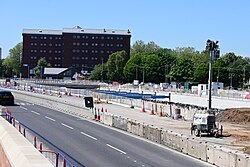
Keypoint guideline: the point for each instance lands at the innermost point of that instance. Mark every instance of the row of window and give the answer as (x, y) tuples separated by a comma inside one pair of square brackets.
[(50, 58), (92, 51), (45, 51), (83, 65), (46, 37), (95, 37), (96, 44), (84, 58), (45, 44)]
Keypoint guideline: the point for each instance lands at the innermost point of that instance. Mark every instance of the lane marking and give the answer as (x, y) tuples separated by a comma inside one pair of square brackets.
[(50, 118), (35, 112), (22, 104), (116, 149), (89, 136), (67, 126), (23, 108)]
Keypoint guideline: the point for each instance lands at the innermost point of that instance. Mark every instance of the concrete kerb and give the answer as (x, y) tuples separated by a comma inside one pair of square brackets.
[(242, 160), (171, 139)]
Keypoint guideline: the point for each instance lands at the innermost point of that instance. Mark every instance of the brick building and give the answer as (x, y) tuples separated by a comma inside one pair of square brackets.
[(72, 47)]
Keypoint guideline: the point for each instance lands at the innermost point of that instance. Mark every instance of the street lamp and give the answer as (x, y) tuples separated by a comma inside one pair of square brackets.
[(214, 51)]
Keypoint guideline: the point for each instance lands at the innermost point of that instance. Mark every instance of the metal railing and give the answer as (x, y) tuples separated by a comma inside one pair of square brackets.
[(56, 158)]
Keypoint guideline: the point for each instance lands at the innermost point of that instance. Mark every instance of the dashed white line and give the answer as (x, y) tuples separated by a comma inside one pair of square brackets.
[(67, 126), (23, 108), (35, 112), (116, 149), (50, 118), (89, 136)]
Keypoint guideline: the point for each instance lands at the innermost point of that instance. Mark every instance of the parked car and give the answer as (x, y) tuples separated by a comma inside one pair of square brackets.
[(6, 98)]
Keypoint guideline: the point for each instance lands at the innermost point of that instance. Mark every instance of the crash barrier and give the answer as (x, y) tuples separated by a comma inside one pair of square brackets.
[(56, 159), (192, 146)]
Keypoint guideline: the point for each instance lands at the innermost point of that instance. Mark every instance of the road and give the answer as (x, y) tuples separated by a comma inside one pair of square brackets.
[(88, 143)]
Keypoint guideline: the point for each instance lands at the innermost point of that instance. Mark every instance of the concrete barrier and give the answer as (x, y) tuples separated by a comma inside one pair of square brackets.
[(197, 149), (17, 151), (107, 119), (242, 160), (152, 133), (133, 127), (170, 139), (120, 123)]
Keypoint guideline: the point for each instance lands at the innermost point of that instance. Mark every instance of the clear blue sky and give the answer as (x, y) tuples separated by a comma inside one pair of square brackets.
[(169, 23)]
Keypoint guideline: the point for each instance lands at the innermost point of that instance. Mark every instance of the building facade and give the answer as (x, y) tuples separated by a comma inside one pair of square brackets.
[(72, 47)]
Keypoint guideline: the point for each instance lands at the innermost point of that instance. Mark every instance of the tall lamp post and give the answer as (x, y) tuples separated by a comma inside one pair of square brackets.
[(214, 52)]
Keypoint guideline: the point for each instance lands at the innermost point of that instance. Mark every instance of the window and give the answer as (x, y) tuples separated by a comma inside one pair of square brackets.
[(83, 44), (78, 36), (74, 43), (102, 37), (102, 44), (50, 44), (73, 50), (74, 36), (31, 44), (93, 37), (50, 38), (31, 51), (44, 37)]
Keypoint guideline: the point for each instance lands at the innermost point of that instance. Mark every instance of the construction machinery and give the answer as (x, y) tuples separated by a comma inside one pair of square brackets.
[(204, 123)]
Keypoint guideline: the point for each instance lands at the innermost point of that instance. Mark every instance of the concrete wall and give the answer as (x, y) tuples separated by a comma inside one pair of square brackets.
[(16, 150)]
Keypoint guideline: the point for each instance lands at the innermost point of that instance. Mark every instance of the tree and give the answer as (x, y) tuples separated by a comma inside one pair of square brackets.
[(132, 68), (140, 47), (151, 68), (115, 66), (99, 72), (183, 70), (12, 64), (40, 66)]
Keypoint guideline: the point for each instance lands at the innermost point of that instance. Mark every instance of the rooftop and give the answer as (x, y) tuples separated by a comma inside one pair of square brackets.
[(78, 30)]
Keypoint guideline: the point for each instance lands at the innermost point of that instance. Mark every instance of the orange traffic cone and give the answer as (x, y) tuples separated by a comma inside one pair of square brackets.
[(143, 107)]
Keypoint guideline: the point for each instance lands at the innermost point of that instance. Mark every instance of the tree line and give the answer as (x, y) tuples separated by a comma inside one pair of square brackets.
[(149, 62)]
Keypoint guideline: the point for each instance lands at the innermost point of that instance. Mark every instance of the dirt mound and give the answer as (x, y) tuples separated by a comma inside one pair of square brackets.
[(234, 115)]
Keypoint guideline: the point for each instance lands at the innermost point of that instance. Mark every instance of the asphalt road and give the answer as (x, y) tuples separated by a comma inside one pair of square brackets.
[(88, 143)]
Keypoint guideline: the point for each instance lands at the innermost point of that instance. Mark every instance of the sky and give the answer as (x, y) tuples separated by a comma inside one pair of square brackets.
[(168, 23)]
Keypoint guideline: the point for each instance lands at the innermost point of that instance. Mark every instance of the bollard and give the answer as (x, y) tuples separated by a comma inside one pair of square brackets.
[(98, 115), (221, 129), (64, 162), (35, 141), (152, 110), (14, 122), (24, 132), (57, 159), (19, 127), (41, 147), (102, 109), (106, 110), (107, 101), (95, 113)]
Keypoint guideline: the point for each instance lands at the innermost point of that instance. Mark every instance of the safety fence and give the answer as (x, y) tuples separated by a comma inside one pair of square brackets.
[(56, 158)]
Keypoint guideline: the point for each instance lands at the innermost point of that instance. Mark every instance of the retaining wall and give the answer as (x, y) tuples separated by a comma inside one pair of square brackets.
[(16, 150)]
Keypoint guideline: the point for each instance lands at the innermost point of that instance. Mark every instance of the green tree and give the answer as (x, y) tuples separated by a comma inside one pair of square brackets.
[(183, 70), (12, 64), (40, 66), (115, 66), (151, 68), (132, 69), (99, 72)]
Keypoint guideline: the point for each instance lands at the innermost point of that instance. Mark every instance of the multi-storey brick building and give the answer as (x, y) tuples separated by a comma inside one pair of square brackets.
[(72, 47)]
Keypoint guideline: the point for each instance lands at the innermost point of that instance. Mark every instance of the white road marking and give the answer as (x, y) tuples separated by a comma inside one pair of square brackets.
[(35, 112), (23, 108), (67, 126), (50, 118), (22, 104), (89, 136), (116, 149)]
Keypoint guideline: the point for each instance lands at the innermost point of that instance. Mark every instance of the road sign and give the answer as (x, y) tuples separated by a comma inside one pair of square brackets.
[(89, 102)]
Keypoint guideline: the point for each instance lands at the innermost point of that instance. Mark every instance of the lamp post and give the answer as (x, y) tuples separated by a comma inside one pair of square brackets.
[(214, 52)]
